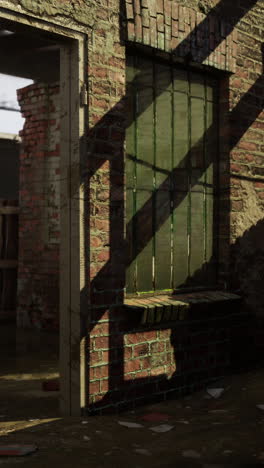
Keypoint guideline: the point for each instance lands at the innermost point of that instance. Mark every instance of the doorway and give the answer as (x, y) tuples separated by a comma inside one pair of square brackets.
[(42, 362)]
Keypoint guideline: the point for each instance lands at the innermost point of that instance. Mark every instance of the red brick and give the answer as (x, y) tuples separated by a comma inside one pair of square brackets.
[(94, 387), (103, 256), (157, 347), (127, 353), (236, 205), (131, 366), (142, 374), (104, 386), (140, 350), (145, 362), (101, 342), (98, 372), (96, 241), (165, 334), (157, 371), (32, 199), (248, 145), (135, 338), (259, 185), (100, 329)]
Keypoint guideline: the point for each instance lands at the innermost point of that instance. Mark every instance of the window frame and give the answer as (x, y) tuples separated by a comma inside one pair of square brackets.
[(208, 75)]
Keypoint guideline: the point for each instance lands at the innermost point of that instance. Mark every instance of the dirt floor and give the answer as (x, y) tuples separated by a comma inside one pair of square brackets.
[(200, 430)]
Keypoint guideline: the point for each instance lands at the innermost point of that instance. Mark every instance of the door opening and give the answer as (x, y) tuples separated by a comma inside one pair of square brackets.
[(37, 353)]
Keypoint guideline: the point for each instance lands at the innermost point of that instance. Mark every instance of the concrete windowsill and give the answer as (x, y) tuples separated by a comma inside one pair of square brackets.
[(187, 306)]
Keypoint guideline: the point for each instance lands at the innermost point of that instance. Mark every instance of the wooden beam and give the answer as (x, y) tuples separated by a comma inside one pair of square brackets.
[(9, 210), (65, 219)]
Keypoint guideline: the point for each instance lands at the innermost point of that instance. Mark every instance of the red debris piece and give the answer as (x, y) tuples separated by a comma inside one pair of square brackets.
[(17, 450), (51, 385), (155, 417)]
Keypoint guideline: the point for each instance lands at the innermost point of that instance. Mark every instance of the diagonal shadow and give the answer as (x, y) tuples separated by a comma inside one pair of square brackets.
[(108, 283), (225, 10), (115, 152), (241, 113), (236, 115)]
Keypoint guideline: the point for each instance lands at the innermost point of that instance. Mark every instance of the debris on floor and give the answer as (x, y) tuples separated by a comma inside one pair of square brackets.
[(130, 424), (142, 451), (162, 428), (227, 452), (215, 392), (221, 425), (260, 407), (191, 454), (17, 450)]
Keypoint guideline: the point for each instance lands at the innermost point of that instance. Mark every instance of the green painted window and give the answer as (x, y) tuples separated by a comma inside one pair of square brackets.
[(171, 177)]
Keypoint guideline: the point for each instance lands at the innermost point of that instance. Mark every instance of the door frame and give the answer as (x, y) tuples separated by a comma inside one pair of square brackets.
[(73, 118)]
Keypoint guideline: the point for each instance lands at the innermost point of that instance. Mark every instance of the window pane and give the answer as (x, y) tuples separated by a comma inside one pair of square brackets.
[(144, 240), (180, 228), (144, 184), (197, 230), (163, 228), (181, 131), (197, 132), (197, 85), (172, 153)]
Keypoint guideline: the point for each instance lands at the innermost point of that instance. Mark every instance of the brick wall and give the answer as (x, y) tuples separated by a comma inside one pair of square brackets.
[(39, 231), (247, 162), (183, 31), (151, 365), (106, 210), (125, 362)]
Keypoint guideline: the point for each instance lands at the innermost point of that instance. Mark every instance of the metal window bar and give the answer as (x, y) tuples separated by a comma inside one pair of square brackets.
[(172, 207)]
